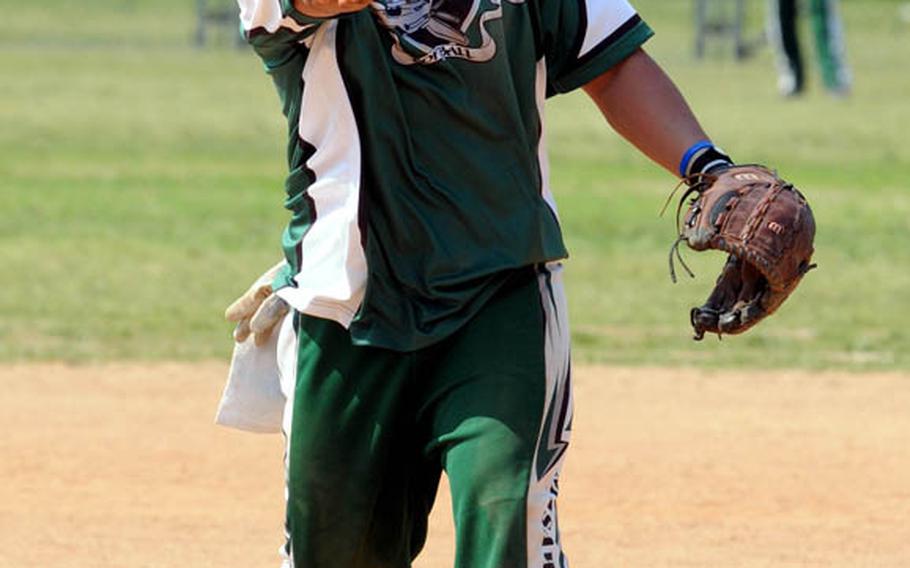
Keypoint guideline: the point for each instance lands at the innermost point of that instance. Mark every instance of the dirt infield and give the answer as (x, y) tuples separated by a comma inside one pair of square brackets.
[(121, 466)]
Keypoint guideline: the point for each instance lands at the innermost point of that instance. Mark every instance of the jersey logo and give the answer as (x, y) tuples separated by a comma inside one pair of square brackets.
[(427, 31)]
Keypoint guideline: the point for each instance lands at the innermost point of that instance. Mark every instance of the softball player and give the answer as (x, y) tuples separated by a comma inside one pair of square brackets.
[(829, 45), (427, 330)]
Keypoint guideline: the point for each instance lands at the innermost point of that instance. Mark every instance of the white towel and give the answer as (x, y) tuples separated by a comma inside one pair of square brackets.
[(252, 399)]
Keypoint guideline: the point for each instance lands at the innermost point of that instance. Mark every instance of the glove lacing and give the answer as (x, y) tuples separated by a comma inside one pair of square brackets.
[(697, 183)]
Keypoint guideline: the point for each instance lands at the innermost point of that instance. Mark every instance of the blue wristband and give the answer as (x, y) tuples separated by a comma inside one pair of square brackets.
[(684, 163)]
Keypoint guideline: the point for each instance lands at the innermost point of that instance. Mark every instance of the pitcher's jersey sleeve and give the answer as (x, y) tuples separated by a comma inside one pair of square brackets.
[(277, 31), (581, 39)]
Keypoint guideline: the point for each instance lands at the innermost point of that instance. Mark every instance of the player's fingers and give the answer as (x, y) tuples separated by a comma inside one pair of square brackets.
[(246, 305), (266, 318), (272, 310), (240, 308), (262, 337), (242, 331)]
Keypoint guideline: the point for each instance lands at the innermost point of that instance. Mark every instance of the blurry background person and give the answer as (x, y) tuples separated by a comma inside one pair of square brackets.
[(829, 45)]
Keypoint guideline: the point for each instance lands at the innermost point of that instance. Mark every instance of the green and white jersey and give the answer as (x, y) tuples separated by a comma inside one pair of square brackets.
[(417, 152)]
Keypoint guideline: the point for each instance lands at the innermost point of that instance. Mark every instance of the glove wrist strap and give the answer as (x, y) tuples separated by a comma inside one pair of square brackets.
[(701, 158)]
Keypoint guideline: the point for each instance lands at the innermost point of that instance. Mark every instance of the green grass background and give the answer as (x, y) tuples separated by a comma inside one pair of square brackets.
[(141, 190)]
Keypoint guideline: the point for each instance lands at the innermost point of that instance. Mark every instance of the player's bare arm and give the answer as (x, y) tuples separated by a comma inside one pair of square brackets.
[(644, 106), (329, 8)]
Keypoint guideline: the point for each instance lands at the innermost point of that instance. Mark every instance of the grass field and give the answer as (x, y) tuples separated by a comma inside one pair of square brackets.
[(141, 189)]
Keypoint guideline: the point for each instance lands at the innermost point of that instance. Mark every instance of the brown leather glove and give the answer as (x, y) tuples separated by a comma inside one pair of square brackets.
[(766, 226)]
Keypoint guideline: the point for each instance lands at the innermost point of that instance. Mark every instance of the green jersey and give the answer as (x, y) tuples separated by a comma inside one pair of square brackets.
[(417, 153)]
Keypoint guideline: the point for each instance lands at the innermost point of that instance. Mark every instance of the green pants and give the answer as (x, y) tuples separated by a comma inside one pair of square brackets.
[(829, 45), (371, 431)]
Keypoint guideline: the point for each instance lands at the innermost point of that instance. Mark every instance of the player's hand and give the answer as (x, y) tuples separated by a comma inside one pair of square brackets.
[(329, 8), (258, 310)]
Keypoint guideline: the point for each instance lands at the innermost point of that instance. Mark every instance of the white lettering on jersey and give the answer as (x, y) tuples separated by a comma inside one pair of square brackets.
[(428, 31)]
